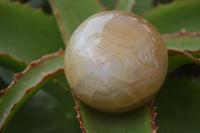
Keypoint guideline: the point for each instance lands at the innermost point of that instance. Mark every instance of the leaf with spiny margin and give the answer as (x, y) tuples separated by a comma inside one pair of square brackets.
[(126, 5), (93, 121), (27, 83), (8, 67), (173, 17), (11, 63), (178, 106), (183, 41), (70, 13), (183, 48), (27, 34), (50, 110), (139, 121)]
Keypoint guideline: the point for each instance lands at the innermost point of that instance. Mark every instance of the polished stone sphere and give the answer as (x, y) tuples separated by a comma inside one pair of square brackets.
[(115, 61)]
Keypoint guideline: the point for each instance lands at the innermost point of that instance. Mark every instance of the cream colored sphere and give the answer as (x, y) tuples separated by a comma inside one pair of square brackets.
[(115, 61)]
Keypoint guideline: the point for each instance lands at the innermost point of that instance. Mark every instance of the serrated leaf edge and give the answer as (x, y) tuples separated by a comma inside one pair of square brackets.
[(77, 109), (185, 52), (59, 20), (21, 62), (183, 32), (153, 116), (19, 75), (152, 121)]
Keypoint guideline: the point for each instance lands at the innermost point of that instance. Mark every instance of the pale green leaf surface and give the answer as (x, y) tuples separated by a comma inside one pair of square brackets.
[(183, 48), (186, 41), (173, 17), (138, 121), (27, 34), (27, 83)]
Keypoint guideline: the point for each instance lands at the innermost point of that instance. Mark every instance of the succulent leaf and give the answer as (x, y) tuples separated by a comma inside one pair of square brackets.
[(141, 8), (178, 106), (27, 83), (183, 48), (173, 17), (126, 5), (27, 34), (70, 14), (140, 121)]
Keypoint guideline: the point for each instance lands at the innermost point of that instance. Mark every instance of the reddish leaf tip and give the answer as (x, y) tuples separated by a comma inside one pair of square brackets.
[(9, 56), (3, 92), (153, 116), (77, 108), (19, 75), (13, 106), (27, 91)]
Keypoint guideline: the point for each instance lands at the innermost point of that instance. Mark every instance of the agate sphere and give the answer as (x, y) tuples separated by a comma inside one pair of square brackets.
[(115, 61)]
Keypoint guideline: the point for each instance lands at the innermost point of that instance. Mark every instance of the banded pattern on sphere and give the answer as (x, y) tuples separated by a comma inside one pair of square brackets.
[(115, 61)]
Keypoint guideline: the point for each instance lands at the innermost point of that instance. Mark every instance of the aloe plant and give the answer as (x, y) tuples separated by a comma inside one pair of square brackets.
[(35, 96)]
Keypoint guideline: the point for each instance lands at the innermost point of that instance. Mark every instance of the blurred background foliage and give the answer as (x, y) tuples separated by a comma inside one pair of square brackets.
[(48, 116)]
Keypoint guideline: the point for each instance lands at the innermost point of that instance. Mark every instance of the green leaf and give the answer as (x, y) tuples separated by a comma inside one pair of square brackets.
[(178, 106), (27, 83), (3, 84), (173, 17), (70, 13), (143, 6), (109, 4), (126, 5), (183, 41), (59, 90), (177, 60), (43, 114), (183, 48), (11, 63), (27, 34), (6, 75), (8, 67), (47, 116), (139, 121)]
